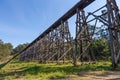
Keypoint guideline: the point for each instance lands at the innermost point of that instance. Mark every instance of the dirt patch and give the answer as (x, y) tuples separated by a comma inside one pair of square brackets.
[(95, 75)]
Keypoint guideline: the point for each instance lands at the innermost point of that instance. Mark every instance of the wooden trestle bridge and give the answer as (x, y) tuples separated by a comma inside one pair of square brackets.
[(56, 44)]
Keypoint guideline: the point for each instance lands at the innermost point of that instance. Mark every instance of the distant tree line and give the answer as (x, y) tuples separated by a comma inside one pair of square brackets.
[(6, 49), (100, 48), (19, 48)]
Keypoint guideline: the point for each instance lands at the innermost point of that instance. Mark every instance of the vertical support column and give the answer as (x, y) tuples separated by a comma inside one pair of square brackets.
[(78, 29), (68, 42), (62, 34), (85, 37), (114, 24), (57, 47), (82, 39), (48, 46), (40, 51), (52, 47)]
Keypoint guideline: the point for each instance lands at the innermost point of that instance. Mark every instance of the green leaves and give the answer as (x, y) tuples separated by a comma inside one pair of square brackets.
[(100, 48), (19, 48), (5, 49)]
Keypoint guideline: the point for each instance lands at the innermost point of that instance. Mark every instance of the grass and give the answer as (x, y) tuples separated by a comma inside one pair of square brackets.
[(34, 70)]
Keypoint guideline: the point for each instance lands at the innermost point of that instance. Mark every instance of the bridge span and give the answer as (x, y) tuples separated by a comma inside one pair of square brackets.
[(56, 43)]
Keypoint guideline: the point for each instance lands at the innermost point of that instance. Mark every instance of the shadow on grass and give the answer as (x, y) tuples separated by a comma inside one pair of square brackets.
[(2, 65), (68, 70)]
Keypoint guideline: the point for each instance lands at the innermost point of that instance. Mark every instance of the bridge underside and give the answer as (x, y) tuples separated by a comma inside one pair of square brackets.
[(56, 44)]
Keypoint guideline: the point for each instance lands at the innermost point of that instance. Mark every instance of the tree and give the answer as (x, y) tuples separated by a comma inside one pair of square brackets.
[(100, 48), (19, 48), (5, 49), (1, 42), (8, 48)]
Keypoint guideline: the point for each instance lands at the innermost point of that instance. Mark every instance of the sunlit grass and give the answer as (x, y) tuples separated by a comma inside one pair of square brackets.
[(34, 70)]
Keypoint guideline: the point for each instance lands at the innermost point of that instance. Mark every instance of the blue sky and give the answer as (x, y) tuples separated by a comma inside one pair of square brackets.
[(22, 21)]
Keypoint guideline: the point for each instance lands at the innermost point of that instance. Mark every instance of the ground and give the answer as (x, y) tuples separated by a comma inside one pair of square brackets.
[(101, 70), (96, 75)]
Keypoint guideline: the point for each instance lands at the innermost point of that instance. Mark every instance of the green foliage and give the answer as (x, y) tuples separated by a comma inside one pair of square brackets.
[(100, 49), (1, 42), (5, 49), (19, 48)]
